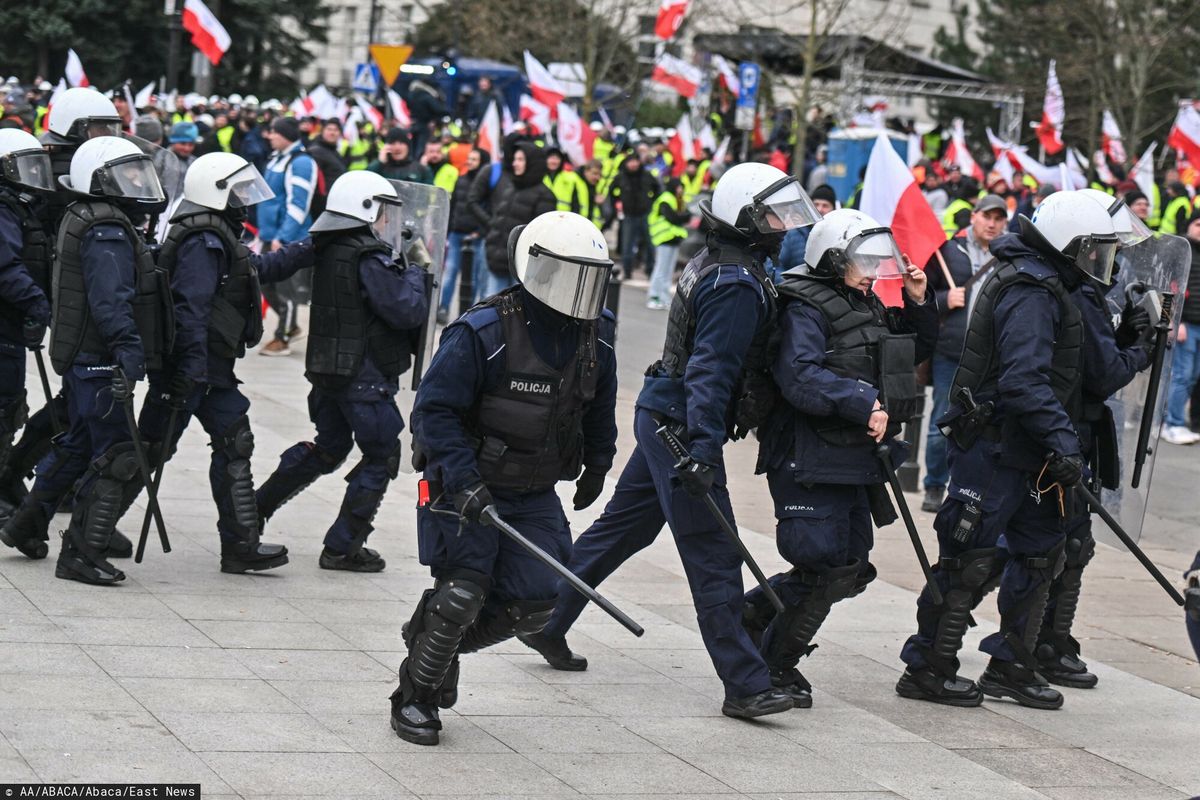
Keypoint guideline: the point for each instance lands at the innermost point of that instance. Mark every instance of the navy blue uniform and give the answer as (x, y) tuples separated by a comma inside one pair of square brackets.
[(470, 361), (729, 307), (21, 299), (362, 413)]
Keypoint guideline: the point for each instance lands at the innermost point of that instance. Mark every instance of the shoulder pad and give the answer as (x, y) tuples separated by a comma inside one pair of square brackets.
[(212, 241), (107, 232), (1034, 268), (479, 317), (606, 326), (735, 273)]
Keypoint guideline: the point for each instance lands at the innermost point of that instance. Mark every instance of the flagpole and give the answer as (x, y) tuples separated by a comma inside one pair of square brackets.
[(174, 26)]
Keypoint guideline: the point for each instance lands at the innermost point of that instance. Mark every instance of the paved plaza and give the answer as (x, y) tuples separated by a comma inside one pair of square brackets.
[(276, 685)]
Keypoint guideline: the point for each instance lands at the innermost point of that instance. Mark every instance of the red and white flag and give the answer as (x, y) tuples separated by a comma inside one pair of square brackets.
[(1100, 162), (727, 74), (507, 124), (958, 154), (399, 109), (1142, 174), (143, 98), (1054, 111), (208, 34), (369, 112), (670, 17), (536, 115), (681, 76), (1185, 133), (74, 70), (681, 146), (891, 195), (58, 89), (1110, 138), (574, 137), (489, 132), (706, 139), (545, 88)]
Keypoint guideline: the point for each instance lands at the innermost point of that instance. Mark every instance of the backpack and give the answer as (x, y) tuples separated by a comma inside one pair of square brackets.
[(320, 192)]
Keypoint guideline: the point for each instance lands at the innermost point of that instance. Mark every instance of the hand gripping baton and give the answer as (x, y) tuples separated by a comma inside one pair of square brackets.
[(677, 448), (884, 454), (162, 465), (139, 452), (55, 423), (492, 517)]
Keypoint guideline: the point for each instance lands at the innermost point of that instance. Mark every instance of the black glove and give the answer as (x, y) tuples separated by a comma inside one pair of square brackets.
[(1067, 471), (471, 502), (588, 488), (1135, 321), (180, 388), (122, 386), (696, 478), (33, 333)]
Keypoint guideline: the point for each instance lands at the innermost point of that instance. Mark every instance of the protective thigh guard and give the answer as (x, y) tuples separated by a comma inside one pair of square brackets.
[(1023, 620), (368, 483), (435, 632), (99, 508), (240, 511), (499, 623), (968, 576), (299, 466), (1056, 627), (792, 632)]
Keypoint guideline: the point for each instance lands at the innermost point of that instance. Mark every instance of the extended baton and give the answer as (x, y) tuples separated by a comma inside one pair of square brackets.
[(139, 452), (41, 366), (493, 518), (677, 448), (1138, 553), (162, 467), (1162, 327), (884, 454)]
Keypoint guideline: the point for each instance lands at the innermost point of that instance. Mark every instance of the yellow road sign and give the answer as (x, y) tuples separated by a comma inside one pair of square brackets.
[(389, 58)]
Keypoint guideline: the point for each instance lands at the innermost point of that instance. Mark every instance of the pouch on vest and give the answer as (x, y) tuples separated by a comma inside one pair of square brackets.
[(898, 379)]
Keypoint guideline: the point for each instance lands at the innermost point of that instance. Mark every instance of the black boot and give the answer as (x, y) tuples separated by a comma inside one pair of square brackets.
[(27, 530), (251, 556), (1057, 651), (119, 546), (364, 559), (1010, 679), (241, 549), (772, 701), (927, 683), (357, 511), (94, 517), (555, 650), (75, 565), (795, 686), (1064, 668), (413, 719)]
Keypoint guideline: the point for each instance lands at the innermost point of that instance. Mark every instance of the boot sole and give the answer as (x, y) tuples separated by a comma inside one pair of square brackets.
[(421, 736), (373, 568), (738, 713), (998, 691), (912, 691), (241, 567), (1070, 681), (71, 575)]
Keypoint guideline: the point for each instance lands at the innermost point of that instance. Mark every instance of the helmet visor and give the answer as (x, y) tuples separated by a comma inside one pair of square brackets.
[(576, 287), (1094, 256), (29, 168), (132, 177), (874, 254), (247, 187), (389, 223), (1138, 230), (90, 127), (783, 206)]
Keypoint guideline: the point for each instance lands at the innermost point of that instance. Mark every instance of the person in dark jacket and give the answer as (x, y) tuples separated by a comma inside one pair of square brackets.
[(464, 236), (324, 150), (395, 160), (519, 197), (964, 255), (367, 314), (426, 106), (1185, 364), (634, 190), (845, 371)]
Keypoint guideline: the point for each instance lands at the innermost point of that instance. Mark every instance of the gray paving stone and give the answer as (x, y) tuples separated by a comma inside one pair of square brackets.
[(161, 695), (654, 700), (372, 733), (66, 602), (15, 769), (522, 699), (367, 636), (822, 796), (337, 697), (714, 734), (54, 692), (167, 662), (565, 735), (252, 732), (1111, 793), (237, 607), (312, 665), (46, 659), (16, 607), (309, 774), (165, 632), (33, 632), (69, 729), (767, 772), (124, 766), (377, 612), (254, 634), (491, 773), (1057, 767), (629, 773)]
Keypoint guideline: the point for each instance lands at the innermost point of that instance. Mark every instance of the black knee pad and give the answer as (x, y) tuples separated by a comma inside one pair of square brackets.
[(1080, 550), (237, 441), (530, 616), (119, 462), (437, 629)]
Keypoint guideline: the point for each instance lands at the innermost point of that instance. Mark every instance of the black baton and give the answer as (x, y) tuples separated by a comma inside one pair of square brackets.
[(41, 365), (884, 454), (139, 452), (162, 467)]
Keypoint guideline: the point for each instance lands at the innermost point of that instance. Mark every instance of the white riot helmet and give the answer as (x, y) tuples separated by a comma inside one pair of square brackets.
[(362, 198), (562, 259), (250, 101), (116, 168), (218, 181), (848, 243), (23, 162), (80, 114), (753, 199), (1080, 229), (235, 99), (1130, 229)]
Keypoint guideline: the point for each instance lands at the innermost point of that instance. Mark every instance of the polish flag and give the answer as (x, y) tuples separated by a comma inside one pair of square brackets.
[(489, 132), (1185, 133), (208, 34), (681, 76), (369, 112), (574, 137), (546, 88), (506, 119), (727, 74), (1054, 110), (1142, 173), (1100, 162), (74, 70), (1004, 149), (144, 96), (891, 196), (706, 140), (536, 115), (58, 89), (399, 109), (670, 17), (681, 146), (958, 153), (1110, 138)]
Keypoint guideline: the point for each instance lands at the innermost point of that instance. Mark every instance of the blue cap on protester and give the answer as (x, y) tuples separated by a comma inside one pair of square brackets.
[(182, 132)]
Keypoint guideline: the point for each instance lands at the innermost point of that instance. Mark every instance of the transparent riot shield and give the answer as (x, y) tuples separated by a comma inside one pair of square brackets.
[(1153, 273), (170, 174), (425, 213)]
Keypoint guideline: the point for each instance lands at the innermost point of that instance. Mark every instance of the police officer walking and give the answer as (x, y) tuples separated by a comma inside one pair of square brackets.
[(846, 372), (1014, 455), (717, 331), (367, 313), (519, 396)]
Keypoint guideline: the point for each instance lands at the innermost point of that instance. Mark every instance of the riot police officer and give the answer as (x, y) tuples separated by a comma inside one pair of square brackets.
[(519, 396), (111, 321), (367, 313), (25, 178), (215, 282), (846, 373), (1014, 455), (1111, 359), (703, 389)]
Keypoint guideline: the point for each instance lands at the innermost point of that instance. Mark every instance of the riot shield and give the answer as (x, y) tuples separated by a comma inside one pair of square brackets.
[(425, 214), (170, 174), (1154, 273)]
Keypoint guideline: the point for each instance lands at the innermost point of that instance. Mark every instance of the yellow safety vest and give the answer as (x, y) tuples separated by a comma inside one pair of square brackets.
[(225, 138), (948, 223), (1156, 207), (1171, 213), (571, 189), (662, 230), (694, 185), (446, 177)]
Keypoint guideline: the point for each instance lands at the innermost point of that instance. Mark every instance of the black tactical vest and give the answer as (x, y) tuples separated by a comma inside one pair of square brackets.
[(530, 426), (57, 201), (73, 332), (861, 347), (978, 369), (36, 249), (236, 318), (342, 328)]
